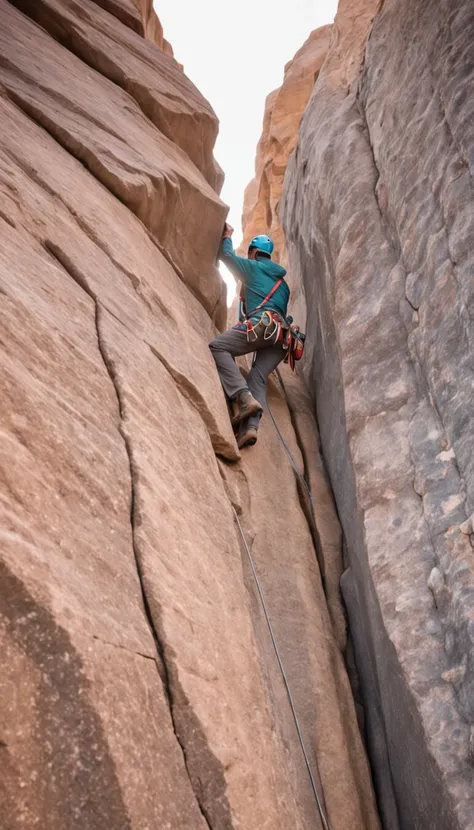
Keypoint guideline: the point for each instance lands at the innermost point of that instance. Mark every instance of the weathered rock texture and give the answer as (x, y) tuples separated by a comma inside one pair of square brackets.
[(138, 687), (377, 209), (284, 108), (139, 16)]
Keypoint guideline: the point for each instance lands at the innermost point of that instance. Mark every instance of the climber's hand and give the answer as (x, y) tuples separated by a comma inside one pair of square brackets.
[(228, 231)]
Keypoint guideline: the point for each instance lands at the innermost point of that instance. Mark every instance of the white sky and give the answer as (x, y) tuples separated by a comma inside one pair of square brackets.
[(235, 53)]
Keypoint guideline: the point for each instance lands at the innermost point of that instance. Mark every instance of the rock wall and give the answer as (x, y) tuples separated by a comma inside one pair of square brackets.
[(377, 211), (138, 686)]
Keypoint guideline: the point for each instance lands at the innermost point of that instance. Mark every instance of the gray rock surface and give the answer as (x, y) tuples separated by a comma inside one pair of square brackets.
[(377, 210)]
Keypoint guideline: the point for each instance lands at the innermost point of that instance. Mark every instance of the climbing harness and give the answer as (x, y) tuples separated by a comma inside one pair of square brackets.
[(276, 328), (321, 810), (272, 323), (270, 319)]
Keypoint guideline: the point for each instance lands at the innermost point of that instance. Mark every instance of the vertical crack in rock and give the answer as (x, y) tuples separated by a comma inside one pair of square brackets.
[(303, 488), (162, 666), (390, 232), (187, 388), (160, 662)]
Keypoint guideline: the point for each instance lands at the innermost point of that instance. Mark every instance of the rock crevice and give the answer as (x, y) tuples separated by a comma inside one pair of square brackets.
[(160, 657)]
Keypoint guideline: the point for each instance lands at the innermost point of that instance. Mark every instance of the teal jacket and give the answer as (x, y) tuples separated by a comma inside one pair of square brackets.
[(258, 278)]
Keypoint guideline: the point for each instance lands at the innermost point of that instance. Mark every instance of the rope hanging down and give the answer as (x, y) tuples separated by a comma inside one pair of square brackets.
[(288, 451), (283, 673), (296, 471)]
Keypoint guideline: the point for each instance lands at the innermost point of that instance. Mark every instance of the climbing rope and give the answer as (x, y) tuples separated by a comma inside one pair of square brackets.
[(304, 483), (306, 487), (283, 673), (293, 463)]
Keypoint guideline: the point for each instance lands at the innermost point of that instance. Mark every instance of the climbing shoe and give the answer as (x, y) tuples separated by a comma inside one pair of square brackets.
[(243, 406), (247, 437)]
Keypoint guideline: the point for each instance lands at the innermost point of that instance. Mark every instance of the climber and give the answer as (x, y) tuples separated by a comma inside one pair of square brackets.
[(260, 329)]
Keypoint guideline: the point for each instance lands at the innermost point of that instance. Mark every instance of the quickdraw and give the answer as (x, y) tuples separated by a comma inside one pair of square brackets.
[(273, 327), (294, 343)]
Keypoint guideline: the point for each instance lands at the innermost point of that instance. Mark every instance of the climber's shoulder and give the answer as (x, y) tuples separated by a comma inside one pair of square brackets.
[(272, 269)]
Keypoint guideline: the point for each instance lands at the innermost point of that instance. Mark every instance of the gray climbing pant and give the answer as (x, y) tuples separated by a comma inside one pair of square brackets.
[(233, 343)]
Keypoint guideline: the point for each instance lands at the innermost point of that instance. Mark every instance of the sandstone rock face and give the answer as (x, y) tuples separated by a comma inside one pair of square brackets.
[(138, 685), (139, 16), (377, 210), (283, 110)]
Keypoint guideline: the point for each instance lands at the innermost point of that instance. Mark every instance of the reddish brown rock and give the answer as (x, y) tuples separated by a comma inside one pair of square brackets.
[(166, 96), (377, 210), (140, 16), (137, 685), (103, 127)]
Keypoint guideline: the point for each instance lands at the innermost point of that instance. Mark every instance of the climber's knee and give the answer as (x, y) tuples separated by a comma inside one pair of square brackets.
[(219, 344)]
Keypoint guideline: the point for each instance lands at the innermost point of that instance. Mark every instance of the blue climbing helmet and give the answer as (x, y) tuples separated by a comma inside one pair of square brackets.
[(262, 243)]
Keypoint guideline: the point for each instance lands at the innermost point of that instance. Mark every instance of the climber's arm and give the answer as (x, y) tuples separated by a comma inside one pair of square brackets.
[(239, 267)]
